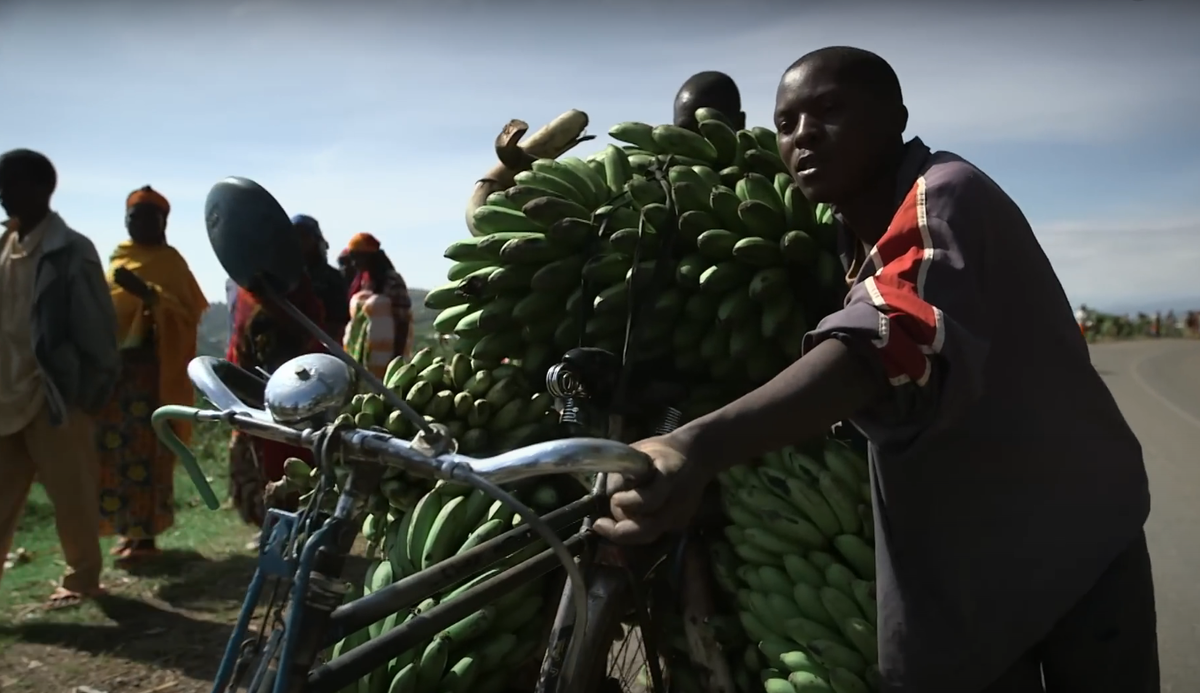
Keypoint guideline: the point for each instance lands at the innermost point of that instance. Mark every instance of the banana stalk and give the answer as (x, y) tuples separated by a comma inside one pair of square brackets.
[(552, 141)]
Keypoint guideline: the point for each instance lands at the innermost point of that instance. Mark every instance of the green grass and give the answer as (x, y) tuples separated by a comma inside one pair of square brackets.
[(197, 530)]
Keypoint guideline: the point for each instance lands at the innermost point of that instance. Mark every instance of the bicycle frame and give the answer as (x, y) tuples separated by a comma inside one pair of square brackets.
[(317, 618)]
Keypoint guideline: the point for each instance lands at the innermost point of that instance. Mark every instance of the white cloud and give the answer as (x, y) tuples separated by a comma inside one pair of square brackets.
[(1114, 260)]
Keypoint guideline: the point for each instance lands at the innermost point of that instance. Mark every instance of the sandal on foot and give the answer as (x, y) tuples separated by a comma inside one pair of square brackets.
[(137, 554), (121, 546), (64, 598)]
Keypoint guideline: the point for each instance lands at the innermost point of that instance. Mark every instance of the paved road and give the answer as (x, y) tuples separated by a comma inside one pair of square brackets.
[(1158, 387)]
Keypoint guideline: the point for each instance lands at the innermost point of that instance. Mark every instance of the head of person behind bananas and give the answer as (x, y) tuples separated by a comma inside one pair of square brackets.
[(709, 89)]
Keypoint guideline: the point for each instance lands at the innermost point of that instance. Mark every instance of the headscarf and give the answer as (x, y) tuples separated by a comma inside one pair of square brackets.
[(303, 222), (146, 195), (363, 243)]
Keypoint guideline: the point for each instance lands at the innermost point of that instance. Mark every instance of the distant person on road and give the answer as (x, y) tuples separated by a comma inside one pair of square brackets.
[(59, 362), (1010, 493), (710, 89), (328, 283), (265, 337), (381, 325), (159, 306)]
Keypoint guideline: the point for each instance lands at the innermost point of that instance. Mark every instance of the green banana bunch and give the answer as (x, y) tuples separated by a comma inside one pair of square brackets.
[(448, 520), (799, 566), (754, 257)]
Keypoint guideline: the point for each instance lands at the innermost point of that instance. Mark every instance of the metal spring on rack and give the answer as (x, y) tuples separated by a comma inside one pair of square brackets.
[(670, 421), (571, 413)]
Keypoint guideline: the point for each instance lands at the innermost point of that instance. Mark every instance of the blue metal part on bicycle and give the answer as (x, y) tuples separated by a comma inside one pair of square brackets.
[(160, 420), (275, 555), (229, 659), (252, 236), (298, 597)]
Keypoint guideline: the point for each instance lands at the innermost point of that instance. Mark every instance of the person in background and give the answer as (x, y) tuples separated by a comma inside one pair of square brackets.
[(59, 363), (381, 324), (231, 294), (346, 269), (328, 283), (159, 306), (710, 89), (1081, 317), (265, 337), (1010, 494)]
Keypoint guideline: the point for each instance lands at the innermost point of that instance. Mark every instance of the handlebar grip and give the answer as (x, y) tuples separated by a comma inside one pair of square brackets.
[(161, 421)]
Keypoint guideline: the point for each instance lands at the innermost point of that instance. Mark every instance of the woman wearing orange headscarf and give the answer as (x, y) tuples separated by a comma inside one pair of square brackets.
[(159, 306), (381, 325)]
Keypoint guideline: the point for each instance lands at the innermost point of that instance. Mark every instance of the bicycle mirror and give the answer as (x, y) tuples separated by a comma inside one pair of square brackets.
[(252, 236)]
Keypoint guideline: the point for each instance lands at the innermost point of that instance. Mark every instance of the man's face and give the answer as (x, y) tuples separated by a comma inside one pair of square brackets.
[(19, 198), (832, 136), (146, 224)]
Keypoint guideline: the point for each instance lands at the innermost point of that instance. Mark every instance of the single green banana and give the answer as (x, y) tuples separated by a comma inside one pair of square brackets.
[(461, 677), (841, 501), (857, 553), (445, 534), (864, 596), (808, 598), (432, 665), (418, 529)]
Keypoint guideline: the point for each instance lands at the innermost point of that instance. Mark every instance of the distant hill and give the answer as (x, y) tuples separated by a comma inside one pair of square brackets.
[(213, 335)]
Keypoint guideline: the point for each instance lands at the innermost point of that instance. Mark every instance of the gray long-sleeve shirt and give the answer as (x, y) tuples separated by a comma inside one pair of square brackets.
[(1005, 477)]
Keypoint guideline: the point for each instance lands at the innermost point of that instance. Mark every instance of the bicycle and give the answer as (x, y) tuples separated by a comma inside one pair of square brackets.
[(307, 550)]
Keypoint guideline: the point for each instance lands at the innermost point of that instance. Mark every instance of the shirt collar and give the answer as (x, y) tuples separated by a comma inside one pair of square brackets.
[(30, 243), (916, 154)]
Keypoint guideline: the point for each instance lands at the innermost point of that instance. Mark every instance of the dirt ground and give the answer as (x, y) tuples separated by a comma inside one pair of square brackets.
[(153, 633), (162, 628)]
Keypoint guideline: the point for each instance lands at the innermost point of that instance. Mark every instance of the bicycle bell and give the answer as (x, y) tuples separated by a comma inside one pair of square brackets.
[(307, 388), (252, 236)]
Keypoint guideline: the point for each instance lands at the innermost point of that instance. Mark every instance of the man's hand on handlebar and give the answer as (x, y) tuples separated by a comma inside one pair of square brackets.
[(666, 503)]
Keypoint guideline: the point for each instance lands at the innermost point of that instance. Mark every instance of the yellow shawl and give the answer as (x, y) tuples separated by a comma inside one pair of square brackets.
[(176, 315)]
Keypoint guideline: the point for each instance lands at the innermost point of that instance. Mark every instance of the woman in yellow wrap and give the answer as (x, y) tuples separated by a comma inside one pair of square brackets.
[(159, 306)]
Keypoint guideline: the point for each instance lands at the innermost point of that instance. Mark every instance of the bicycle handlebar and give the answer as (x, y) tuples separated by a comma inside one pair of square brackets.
[(571, 455)]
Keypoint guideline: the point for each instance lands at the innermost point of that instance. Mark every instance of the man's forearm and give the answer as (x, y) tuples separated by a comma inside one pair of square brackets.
[(827, 385)]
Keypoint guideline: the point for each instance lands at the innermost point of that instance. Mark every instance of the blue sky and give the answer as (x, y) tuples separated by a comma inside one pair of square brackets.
[(379, 117)]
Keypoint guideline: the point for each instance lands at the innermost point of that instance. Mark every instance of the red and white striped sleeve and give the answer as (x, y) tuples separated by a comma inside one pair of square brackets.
[(920, 306)]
